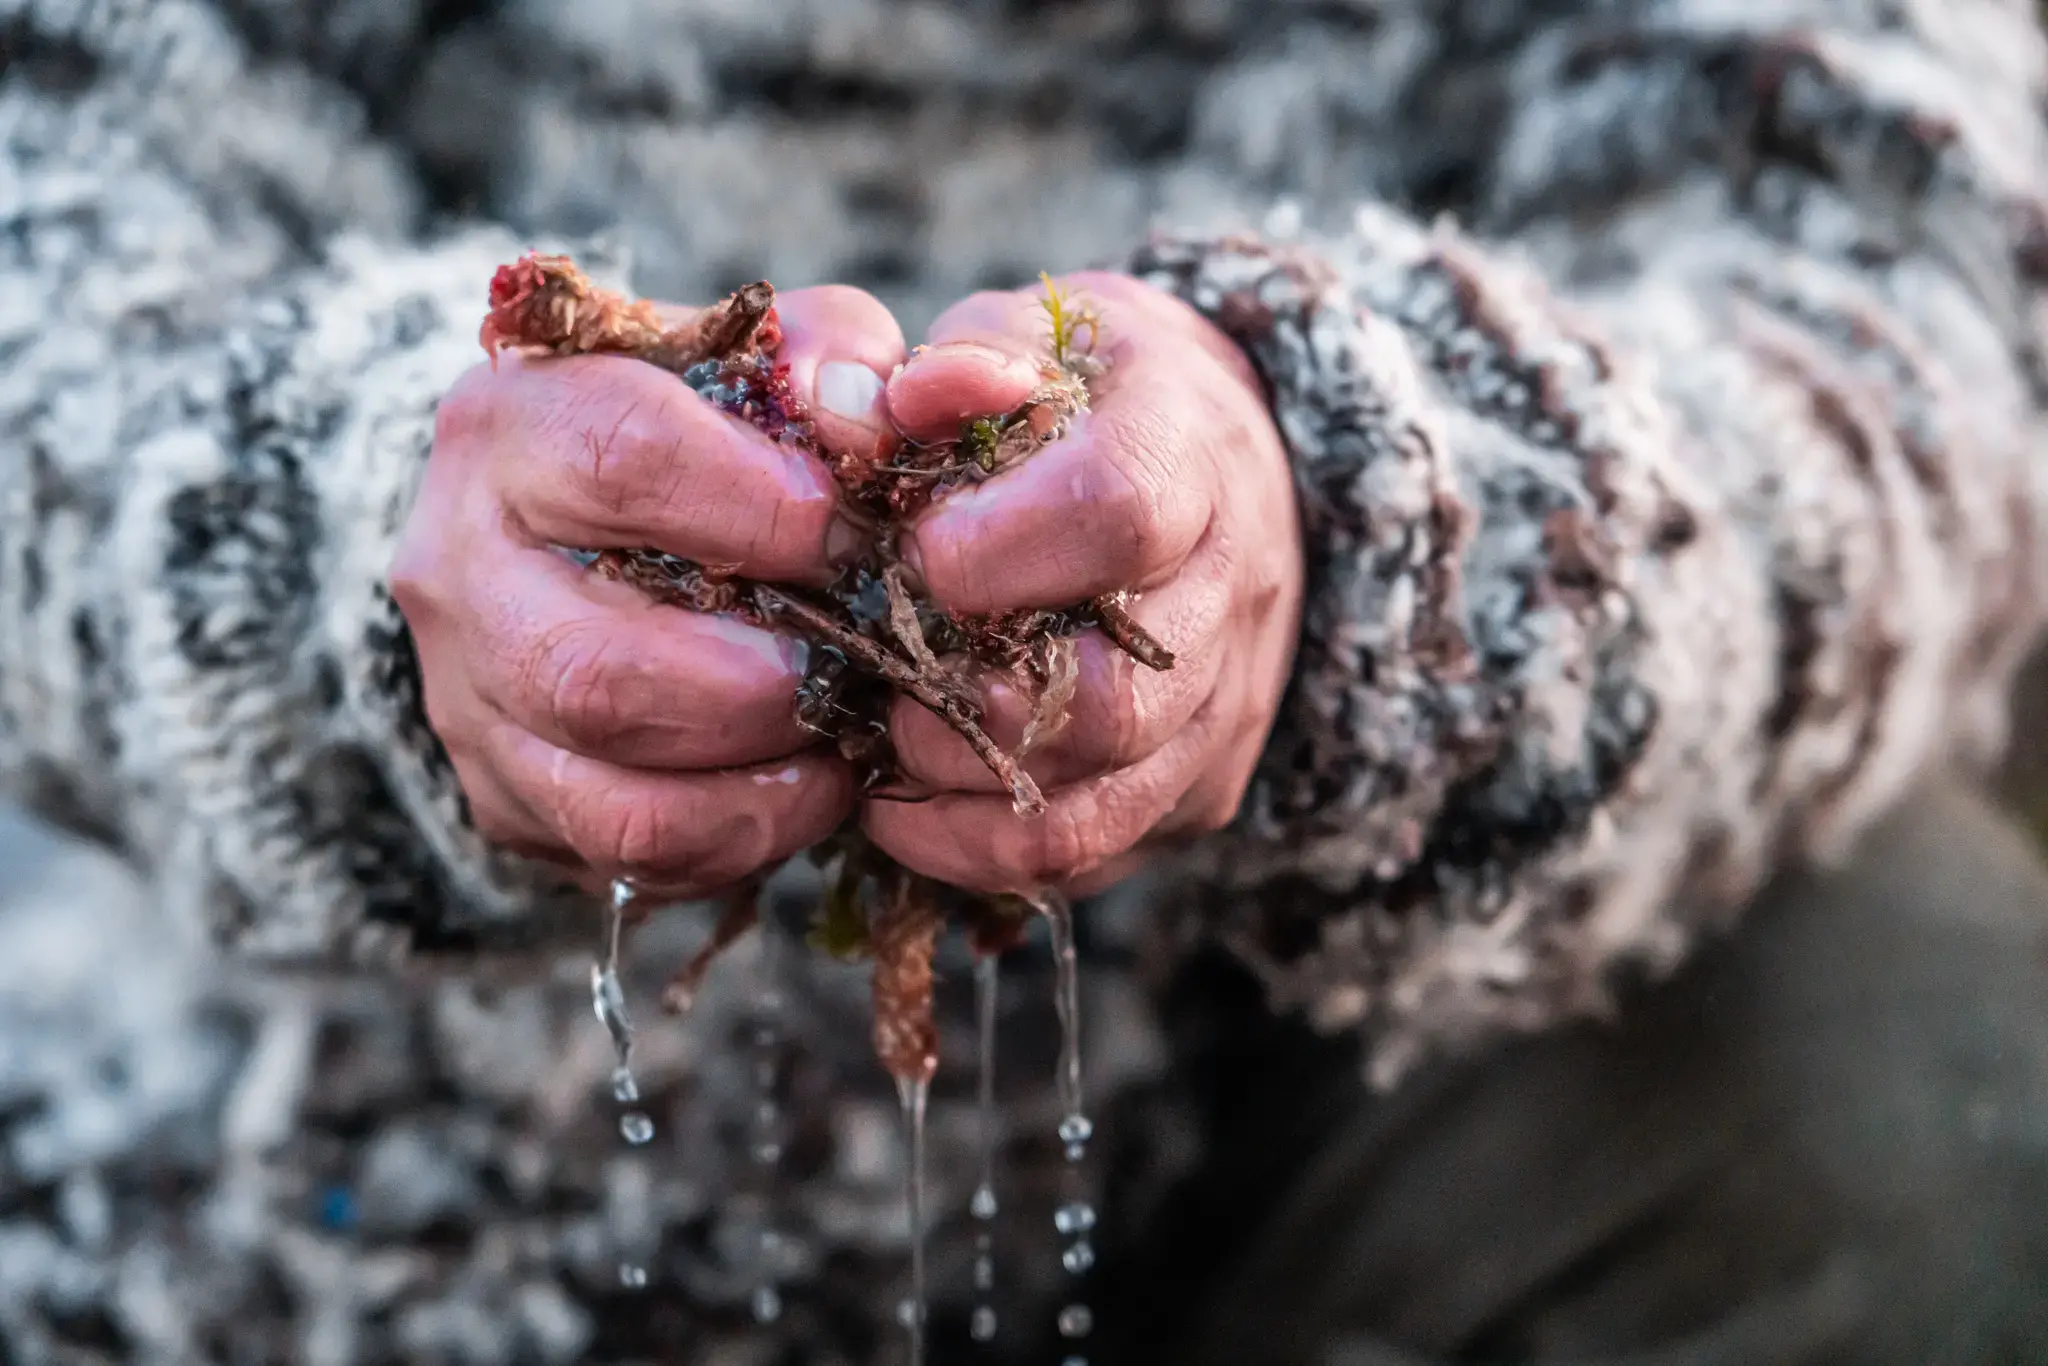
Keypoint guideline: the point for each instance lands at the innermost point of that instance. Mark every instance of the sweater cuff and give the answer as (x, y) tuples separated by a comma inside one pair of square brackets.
[(1431, 849), (316, 816)]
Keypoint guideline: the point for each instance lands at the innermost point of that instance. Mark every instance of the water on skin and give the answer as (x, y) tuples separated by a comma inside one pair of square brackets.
[(608, 999), (915, 1095), (1075, 1218), (982, 1323)]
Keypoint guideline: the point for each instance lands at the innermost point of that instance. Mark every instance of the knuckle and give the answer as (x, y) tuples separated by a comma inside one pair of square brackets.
[(1061, 843), (1112, 732), (632, 833), (1219, 811), (1123, 526), (449, 722), (583, 694), (495, 825), (1134, 491), (466, 409)]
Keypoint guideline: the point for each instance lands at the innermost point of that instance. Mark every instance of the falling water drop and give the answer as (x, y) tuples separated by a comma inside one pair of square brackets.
[(915, 1093), (983, 1206), (607, 997), (608, 1000), (1075, 1216), (767, 1303), (625, 1090)]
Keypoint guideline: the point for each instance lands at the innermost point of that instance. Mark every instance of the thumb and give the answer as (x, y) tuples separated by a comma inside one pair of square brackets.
[(840, 343)]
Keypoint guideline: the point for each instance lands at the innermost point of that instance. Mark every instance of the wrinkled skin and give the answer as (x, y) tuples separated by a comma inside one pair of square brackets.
[(618, 738)]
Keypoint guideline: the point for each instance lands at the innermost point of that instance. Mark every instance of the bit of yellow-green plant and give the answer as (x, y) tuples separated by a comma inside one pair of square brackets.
[(1068, 318), (841, 925)]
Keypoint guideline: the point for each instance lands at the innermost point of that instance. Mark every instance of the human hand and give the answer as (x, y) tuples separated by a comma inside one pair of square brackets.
[(590, 727), (1174, 484)]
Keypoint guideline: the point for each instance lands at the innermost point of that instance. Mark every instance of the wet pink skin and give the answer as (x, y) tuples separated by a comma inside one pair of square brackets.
[(1174, 484), (589, 727), (614, 737)]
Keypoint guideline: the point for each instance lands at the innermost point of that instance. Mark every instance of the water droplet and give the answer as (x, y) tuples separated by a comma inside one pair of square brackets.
[(631, 1276), (984, 1266), (910, 1313), (983, 1206), (1075, 1361), (1076, 1151), (1074, 1217), (767, 1152), (636, 1128), (1076, 1321), (625, 1089), (1078, 1258), (982, 1325), (767, 1304), (1076, 1129)]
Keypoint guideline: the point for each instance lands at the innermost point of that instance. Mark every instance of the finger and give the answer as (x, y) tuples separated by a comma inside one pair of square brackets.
[(596, 668), (503, 818), (987, 353), (840, 344), (979, 843), (600, 452), (685, 834), (1119, 503), (462, 720), (1121, 712), (946, 385)]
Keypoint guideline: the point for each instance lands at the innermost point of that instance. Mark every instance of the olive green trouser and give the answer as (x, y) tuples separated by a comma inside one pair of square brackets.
[(1825, 1141)]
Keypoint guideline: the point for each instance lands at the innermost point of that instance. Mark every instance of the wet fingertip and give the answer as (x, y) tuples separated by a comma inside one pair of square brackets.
[(945, 385), (851, 390)]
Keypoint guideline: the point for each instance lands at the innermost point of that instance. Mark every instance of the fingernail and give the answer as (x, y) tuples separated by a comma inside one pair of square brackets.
[(844, 542), (850, 390)]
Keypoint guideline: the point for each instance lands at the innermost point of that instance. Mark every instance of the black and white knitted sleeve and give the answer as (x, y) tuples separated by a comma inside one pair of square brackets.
[(1673, 539), (211, 424)]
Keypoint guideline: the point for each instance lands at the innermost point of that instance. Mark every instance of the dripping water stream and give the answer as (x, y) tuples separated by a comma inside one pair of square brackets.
[(981, 1325), (915, 1095), (766, 1140), (1075, 1218), (608, 999)]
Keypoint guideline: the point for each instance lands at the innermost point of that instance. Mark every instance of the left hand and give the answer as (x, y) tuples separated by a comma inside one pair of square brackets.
[(1174, 485)]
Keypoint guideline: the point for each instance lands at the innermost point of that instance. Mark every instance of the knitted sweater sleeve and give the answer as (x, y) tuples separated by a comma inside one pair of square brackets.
[(212, 411), (1667, 524)]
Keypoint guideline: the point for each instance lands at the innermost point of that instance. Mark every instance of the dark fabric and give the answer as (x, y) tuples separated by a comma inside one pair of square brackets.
[(1825, 1142)]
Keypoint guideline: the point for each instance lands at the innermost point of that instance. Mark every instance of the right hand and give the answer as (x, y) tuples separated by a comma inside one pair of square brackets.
[(590, 727)]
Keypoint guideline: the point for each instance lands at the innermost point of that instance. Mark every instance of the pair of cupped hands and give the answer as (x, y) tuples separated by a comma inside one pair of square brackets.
[(595, 730)]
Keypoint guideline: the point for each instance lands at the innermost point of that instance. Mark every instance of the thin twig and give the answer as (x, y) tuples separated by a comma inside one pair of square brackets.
[(903, 621), (1137, 642), (738, 913), (950, 706)]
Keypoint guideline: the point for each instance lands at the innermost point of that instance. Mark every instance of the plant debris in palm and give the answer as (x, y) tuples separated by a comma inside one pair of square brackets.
[(871, 637)]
